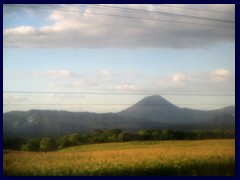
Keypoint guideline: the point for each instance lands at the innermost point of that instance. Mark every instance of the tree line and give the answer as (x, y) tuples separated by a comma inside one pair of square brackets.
[(110, 135)]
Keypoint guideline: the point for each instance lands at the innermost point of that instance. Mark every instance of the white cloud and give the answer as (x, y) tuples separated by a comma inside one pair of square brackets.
[(88, 30), (105, 73), (22, 30), (218, 81), (79, 83), (178, 78), (54, 74), (221, 72), (220, 75), (75, 84), (127, 87), (14, 99)]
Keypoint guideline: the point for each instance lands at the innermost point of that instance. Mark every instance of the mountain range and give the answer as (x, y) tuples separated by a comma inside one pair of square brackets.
[(152, 112)]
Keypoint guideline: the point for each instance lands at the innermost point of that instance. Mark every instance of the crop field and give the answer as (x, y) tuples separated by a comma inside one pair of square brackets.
[(138, 158)]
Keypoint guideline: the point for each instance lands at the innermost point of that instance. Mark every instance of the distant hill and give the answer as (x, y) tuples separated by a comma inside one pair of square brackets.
[(221, 121), (153, 112), (156, 108), (51, 123)]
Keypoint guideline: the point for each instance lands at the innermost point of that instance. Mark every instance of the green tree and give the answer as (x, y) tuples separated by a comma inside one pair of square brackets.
[(32, 144), (97, 136), (145, 134), (47, 144), (111, 135), (167, 134), (62, 142), (125, 136), (74, 139), (156, 135)]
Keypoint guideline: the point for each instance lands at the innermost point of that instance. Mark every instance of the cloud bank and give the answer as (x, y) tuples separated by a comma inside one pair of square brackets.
[(74, 26), (215, 81), (54, 74)]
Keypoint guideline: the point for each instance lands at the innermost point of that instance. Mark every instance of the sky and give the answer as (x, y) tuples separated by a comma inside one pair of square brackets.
[(108, 57)]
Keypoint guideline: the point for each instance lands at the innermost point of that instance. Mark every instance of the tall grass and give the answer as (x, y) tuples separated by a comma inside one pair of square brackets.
[(207, 157)]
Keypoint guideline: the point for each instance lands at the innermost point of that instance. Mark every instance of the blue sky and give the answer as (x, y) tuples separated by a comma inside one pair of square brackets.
[(56, 50)]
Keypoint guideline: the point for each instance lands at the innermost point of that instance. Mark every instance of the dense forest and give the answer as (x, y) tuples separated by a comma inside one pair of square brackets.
[(111, 135)]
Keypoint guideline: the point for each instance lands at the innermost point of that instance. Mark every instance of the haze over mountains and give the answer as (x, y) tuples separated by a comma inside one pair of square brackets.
[(152, 112)]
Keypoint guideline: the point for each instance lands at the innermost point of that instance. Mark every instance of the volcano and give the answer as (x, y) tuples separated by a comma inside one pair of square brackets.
[(157, 108), (152, 112)]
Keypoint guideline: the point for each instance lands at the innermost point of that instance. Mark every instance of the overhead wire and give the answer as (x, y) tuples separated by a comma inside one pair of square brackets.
[(129, 9), (161, 13), (117, 93), (13, 104), (108, 93), (123, 16), (198, 9)]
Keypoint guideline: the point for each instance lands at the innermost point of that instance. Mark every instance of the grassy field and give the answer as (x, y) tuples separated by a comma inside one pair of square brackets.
[(154, 158)]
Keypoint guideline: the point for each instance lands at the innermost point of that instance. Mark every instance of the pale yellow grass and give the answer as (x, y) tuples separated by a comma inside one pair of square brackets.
[(129, 156)]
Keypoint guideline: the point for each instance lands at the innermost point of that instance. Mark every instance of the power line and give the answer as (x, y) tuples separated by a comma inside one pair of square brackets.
[(163, 13), (110, 93), (107, 104), (147, 11), (211, 11), (123, 16)]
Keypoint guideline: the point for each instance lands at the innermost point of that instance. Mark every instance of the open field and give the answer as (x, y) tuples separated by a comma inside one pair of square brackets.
[(199, 157)]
